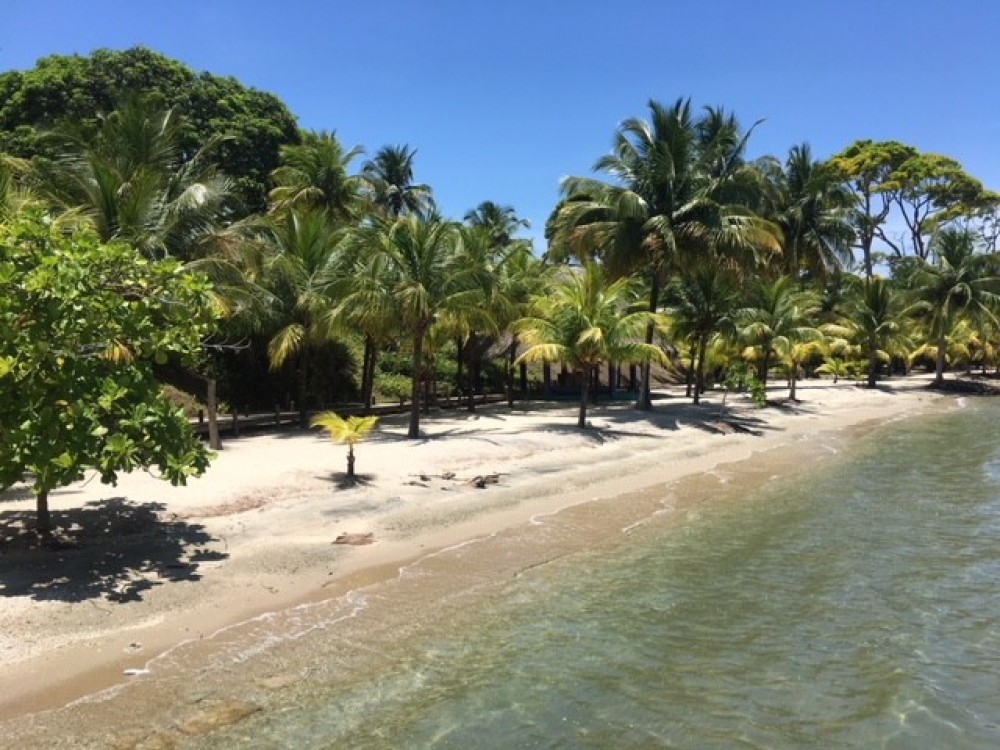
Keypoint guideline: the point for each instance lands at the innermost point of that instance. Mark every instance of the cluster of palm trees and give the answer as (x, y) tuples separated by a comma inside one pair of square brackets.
[(687, 255)]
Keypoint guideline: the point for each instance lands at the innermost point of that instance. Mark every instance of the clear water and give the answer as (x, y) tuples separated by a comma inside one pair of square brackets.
[(856, 605)]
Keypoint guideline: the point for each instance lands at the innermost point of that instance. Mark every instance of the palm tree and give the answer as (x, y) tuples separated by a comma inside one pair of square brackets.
[(675, 181), (700, 305), (315, 174), (130, 182), (389, 175), (960, 285), (298, 274), (419, 255), (352, 430), (875, 320), (811, 207), (500, 222), (582, 321), (777, 316)]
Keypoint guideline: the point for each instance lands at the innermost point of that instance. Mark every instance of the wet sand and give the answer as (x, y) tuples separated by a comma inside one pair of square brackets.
[(258, 577)]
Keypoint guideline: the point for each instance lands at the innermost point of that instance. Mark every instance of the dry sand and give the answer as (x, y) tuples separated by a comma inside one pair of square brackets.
[(148, 566)]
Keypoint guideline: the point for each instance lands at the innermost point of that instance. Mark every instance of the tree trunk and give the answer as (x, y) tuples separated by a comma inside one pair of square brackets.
[(645, 400), (765, 365), (872, 366), (212, 405), (939, 369), (368, 375), (459, 368), (524, 379), (350, 461), (632, 378), (511, 356), (584, 387), (43, 521), (303, 388), (699, 369), (470, 348), (418, 352), (794, 376)]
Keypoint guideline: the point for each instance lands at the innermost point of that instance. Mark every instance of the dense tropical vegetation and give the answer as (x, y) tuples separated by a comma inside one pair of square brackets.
[(313, 274)]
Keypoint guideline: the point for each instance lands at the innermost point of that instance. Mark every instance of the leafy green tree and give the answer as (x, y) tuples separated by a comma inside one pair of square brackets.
[(81, 325), (961, 285), (352, 431), (582, 320), (78, 89), (501, 222), (867, 168)]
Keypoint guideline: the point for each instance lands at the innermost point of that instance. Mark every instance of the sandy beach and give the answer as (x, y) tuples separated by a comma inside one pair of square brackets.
[(147, 568)]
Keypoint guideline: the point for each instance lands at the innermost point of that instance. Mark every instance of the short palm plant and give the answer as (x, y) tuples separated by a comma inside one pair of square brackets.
[(351, 431)]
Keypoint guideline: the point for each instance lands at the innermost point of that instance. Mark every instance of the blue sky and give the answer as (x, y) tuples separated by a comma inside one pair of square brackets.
[(502, 99)]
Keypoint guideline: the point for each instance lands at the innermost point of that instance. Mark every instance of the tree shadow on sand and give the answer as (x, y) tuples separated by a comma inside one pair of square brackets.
[(110, 549)]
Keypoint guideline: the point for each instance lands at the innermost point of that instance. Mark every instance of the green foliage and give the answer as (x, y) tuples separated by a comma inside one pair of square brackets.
[(392, 385), (740, 377), (81, 325), (352, 430), (76, 89)]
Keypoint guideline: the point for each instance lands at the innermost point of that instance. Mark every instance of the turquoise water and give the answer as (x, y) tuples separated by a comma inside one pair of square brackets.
[(857, 606)]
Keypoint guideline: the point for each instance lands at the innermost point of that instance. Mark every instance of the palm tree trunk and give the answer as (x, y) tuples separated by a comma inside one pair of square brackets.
[(584, 388), (350, 461), (470, 349), (645, 400), (418, 352), (459, 363), (699, 369), (368, 375), (303, 387), (792, 380), (212, 406), (524, 379), (511, 356), (872, 366), (939, 369)]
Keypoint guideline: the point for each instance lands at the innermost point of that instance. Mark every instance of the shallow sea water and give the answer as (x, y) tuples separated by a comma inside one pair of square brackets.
[(856, 605)]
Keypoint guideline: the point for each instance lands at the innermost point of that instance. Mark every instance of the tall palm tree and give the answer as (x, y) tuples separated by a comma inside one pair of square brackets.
[(419, 255), (582, 320), (315, 173), (672, 197), (960, 285), (700, 305), (298, 274), (501, 222), (776, 317), (389, 175), (811, 206)]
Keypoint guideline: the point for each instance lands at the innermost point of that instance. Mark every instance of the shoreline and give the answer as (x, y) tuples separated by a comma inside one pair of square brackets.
[(411, 526)]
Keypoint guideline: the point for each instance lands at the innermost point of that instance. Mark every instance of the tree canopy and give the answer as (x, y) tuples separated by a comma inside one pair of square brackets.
[(81, 325), (77, 89)]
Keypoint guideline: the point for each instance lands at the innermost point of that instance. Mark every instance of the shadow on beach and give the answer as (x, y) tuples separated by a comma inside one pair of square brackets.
[(111, 549)]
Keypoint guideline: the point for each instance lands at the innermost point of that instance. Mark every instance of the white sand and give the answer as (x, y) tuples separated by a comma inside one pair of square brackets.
[(255, 533)]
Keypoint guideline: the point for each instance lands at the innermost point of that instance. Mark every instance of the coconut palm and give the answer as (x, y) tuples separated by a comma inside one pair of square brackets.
[(419, 256), (582, 320), (297, 274), (700, 305), (777, 316), (389, 175), (961, 285), (501, 222), (129, 181), (315, 173), (875, 320), (811, 207), (674, 181), (352, 430)]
